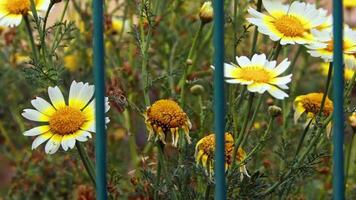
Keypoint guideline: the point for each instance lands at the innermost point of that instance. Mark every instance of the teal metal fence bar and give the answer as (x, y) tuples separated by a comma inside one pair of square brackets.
[(338, 90), (99, 73), (219, 100)]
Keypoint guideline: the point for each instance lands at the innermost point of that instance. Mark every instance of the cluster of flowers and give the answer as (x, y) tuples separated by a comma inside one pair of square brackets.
[(298, 23)]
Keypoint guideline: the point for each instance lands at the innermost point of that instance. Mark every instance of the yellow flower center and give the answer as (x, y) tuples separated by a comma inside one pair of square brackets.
[(255, 74), (166, 114), (18, 6), (312, 102), (289, 26), (66, 120)]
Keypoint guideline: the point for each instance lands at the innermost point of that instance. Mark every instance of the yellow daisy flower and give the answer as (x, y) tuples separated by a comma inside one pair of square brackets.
[(165, 117), (324, 48), (348, 72), (64, 124), (289, 24), (310, 104), (11, 11), (205, 153), (259, 75), (349, 3)]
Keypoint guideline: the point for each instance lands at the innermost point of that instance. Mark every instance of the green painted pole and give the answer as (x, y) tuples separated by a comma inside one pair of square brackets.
[(99, 75), (338, 90), (219, 100)]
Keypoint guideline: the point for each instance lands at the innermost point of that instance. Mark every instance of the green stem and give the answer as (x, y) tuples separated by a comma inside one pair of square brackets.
[(348, 158), (255, 34), (88, 165), (7, 138), (300, 159), (159, 169), (327, 85), (260, 143), (207, 191), (189, 64), (275, 52), (30, 35), (295, 59), (202, 115), (299, 147), (56, 33), (144, 46), (244, 126), (254, 115), (350, 85), (132, 139)]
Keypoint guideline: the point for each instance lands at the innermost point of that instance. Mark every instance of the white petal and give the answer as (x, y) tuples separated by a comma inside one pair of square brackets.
[(34, 115), (281, 80), (53, 144), (243, 61), (258, 59), (107, 104), (37, 130), (43, 106), (56, 97), (68, 142), (281, 67), (277, 93), (82, 136), (274, 5), (41, 139)]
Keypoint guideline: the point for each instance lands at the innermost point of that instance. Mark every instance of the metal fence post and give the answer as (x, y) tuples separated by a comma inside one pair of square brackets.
[(338, 90), (219, 100), (99, 73)]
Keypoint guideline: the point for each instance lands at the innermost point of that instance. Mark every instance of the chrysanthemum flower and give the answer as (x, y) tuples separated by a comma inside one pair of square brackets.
[(12, 11), (63, 123), (324, 47), (205, 152), (290, 24), (163, 118), (259, 75), (310, 104), (348, 71)]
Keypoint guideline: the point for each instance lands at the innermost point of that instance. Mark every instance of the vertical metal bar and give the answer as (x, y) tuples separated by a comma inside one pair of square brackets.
[(219, 100), (338, 90), (99, 73)]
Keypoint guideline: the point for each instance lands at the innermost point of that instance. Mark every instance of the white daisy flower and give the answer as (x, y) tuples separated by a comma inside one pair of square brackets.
[(289, 24), (324, 48), (259, 75), (12, 11), (63, 123)]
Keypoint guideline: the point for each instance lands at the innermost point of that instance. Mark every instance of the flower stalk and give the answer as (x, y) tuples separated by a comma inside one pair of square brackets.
[(88, 165), (189, 63)]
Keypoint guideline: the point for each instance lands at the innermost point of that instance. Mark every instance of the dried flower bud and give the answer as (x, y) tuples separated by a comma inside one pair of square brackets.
[(274, 111), (197, 89), (116, 95), (206, 13)]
